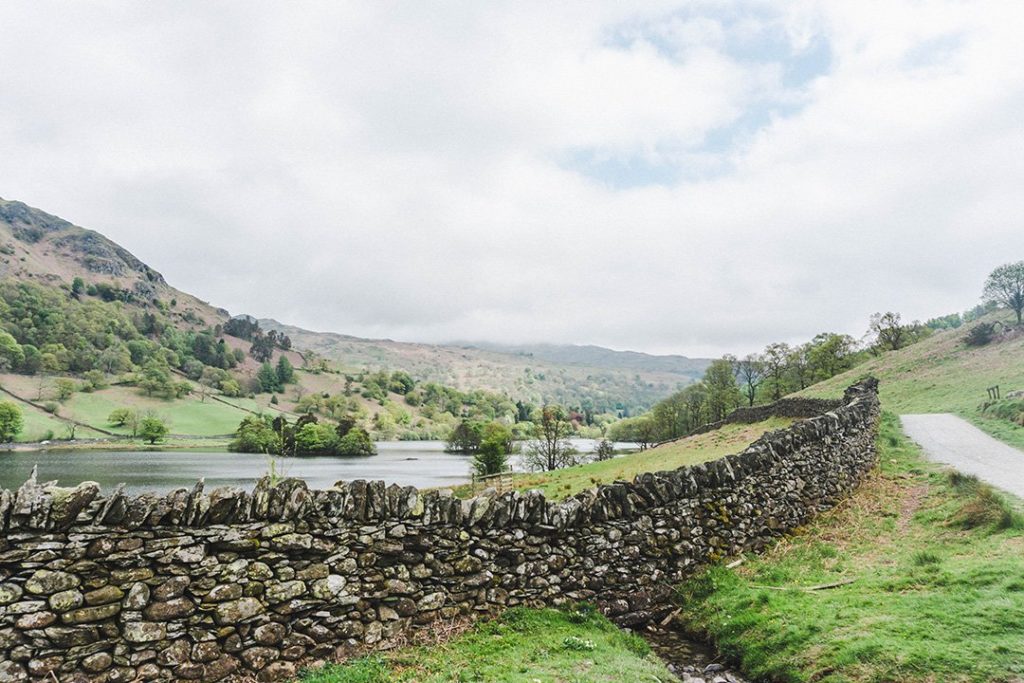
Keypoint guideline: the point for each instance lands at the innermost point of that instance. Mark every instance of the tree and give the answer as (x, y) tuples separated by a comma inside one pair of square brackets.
[(11, 421), (256, 435), (551, 449), (640, 430), (889, 332), (266, 377), (466, 437), (356, 442), (492, 457), (605, 450), (12, 355), (723, 396), (77, 286), (799, 366), (315, 438), (776, 358), (829, 354), (285, 372), (65, 388), (1005, 287), (156, 380), (750, 373), (121, 417), (152, 429)]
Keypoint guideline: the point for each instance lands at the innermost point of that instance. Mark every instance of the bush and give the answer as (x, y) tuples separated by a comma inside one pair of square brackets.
[(984, 507), (51, 407), (981, 334), (356, 442)]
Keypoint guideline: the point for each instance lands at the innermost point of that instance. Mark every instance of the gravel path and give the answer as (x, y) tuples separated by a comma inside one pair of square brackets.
[(954, 441)]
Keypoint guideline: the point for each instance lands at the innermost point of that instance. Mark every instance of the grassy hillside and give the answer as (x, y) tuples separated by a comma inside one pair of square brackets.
[(943, 375), (930, 588)]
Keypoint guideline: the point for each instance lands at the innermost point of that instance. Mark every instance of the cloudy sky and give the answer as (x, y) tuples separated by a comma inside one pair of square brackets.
[(688, 177)]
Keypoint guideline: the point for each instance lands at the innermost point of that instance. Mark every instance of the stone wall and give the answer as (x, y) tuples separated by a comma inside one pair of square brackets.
[(229, 585), (799, 408)]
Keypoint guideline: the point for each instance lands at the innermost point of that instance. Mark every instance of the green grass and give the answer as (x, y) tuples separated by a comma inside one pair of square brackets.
[(560, 484), (521, 645), (40, 425), (937, 564), (943, 375)]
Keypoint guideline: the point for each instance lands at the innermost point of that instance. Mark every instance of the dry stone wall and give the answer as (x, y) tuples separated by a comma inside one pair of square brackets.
[(229, 585)]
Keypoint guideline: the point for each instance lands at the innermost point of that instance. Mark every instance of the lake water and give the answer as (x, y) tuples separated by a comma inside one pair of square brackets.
[(416, 463)]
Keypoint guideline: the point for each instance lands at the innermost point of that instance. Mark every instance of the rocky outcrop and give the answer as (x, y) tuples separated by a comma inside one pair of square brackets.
[(230, 584)]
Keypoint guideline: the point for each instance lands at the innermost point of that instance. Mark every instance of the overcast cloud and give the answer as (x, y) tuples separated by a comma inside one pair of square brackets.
[(688, 177)]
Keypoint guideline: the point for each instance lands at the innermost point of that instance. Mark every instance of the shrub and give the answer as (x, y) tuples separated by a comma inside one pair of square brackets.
[(981, 334), (51, 407)]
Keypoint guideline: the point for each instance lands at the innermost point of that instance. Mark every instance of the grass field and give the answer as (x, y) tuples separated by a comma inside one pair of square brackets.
[(688, 451), (943, 375), (548, 646), (937, 592)]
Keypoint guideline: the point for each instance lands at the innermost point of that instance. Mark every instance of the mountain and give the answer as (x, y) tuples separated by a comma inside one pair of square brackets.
[(38, 247), (572, 375), (599, 356)]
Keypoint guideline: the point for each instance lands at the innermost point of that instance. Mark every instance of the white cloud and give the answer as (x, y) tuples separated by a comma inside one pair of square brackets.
[(406, 170)]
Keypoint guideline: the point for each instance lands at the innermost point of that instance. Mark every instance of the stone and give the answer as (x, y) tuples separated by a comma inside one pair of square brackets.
[(87, 615), (144, 632), (104, 595), (256, 658), (172, 588), (237, 611), (45, 582), (170, 610), (12, 672), (138, 597), (270, 634), (223, 593), (95, 663), (10, 592), (40, 668), (278, 671), (329, 588), (430, 602), (221, 668), (279, 592), (66, 601), (205, 652), (35, 620)]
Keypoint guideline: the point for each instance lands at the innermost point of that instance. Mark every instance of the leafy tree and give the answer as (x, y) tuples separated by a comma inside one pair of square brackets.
[(889, 331), (776, 359), (551, 449), (285, 371), (77, 286), (33, 360), (830, 353), (12, 355), (315, 438), (1005, 287), (156, 380), (401, 382), (640, 430), (723, 396), (230, 387), (356, 442), (256, 434), (152, 429), (121, 417), (490, 459), (11, 421), (267, 379), (65, 388), (800, 366), (466, 437)]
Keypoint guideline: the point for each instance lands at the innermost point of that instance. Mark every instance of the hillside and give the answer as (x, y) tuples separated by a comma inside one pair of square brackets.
[(38, 247), (942, 374), (609, 380)]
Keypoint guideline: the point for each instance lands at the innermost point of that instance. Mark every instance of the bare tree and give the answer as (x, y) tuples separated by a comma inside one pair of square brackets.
[(749, 374), (1005, 286), (551, 449)]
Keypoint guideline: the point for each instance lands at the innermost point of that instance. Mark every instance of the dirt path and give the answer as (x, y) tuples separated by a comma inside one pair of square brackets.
[(954, 441)]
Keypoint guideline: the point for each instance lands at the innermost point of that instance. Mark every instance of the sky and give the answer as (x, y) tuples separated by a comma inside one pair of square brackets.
[(670, 177)]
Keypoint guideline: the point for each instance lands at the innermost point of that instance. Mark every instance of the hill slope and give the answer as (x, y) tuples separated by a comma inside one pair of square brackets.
[(571, 375), (942, 374)]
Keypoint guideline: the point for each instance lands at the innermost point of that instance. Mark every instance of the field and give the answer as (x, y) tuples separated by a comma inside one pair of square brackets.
[(522, 645), (687, 451), (935, 567), (943, 375)]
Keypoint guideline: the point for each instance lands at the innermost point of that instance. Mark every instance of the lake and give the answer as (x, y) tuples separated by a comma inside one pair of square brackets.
[(417, 463)]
